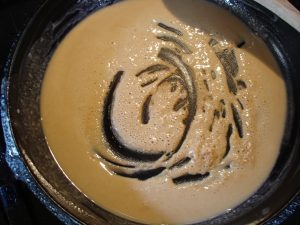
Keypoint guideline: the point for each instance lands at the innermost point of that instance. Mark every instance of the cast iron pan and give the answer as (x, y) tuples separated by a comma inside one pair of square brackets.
[(31, 161)]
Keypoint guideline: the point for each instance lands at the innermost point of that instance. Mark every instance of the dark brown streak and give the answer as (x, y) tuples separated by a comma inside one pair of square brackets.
[(142, 174), (145, 110), (212, 42), (149, 82), (183, 47), (237, 120), (241, 104), (228, 135), (171, 29), (173, 86), (110, 161), (179, 104), (227, 167), (241, 44), (223, 109), (190, 178), (153, 69), (216, 115), (206, 84), (241, 84), (180, 163), (231, 84), (224, 113), (213, 75)]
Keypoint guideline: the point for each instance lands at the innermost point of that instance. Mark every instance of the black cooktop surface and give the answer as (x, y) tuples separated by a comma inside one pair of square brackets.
[(27, 210)]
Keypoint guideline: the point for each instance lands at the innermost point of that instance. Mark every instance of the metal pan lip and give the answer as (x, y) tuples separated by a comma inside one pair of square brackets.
[(20, 165)]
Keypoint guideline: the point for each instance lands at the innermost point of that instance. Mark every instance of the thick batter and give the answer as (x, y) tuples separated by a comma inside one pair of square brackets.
[(164, 112)]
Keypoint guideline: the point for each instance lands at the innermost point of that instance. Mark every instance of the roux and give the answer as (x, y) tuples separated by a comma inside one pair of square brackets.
[(164, 112)]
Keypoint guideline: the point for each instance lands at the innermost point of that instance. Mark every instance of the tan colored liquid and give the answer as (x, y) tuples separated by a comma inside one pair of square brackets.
[(124, 37)]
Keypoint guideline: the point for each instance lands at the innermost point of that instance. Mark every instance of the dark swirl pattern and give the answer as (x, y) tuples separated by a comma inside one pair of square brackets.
[(144, 165)]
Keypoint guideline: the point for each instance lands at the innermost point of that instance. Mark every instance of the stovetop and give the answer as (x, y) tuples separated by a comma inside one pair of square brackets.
[(26, 209)]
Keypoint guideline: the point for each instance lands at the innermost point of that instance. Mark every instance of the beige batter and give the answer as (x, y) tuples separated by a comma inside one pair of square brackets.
[(124, 37)]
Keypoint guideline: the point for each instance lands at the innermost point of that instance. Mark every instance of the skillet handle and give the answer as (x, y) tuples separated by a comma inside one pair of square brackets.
[(285, 10), (12, 207)]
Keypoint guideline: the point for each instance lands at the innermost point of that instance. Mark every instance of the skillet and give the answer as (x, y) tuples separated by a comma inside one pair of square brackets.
[(30, 159)]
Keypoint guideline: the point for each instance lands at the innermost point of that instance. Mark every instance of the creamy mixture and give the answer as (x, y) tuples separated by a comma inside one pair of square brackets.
[(164, 111)]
